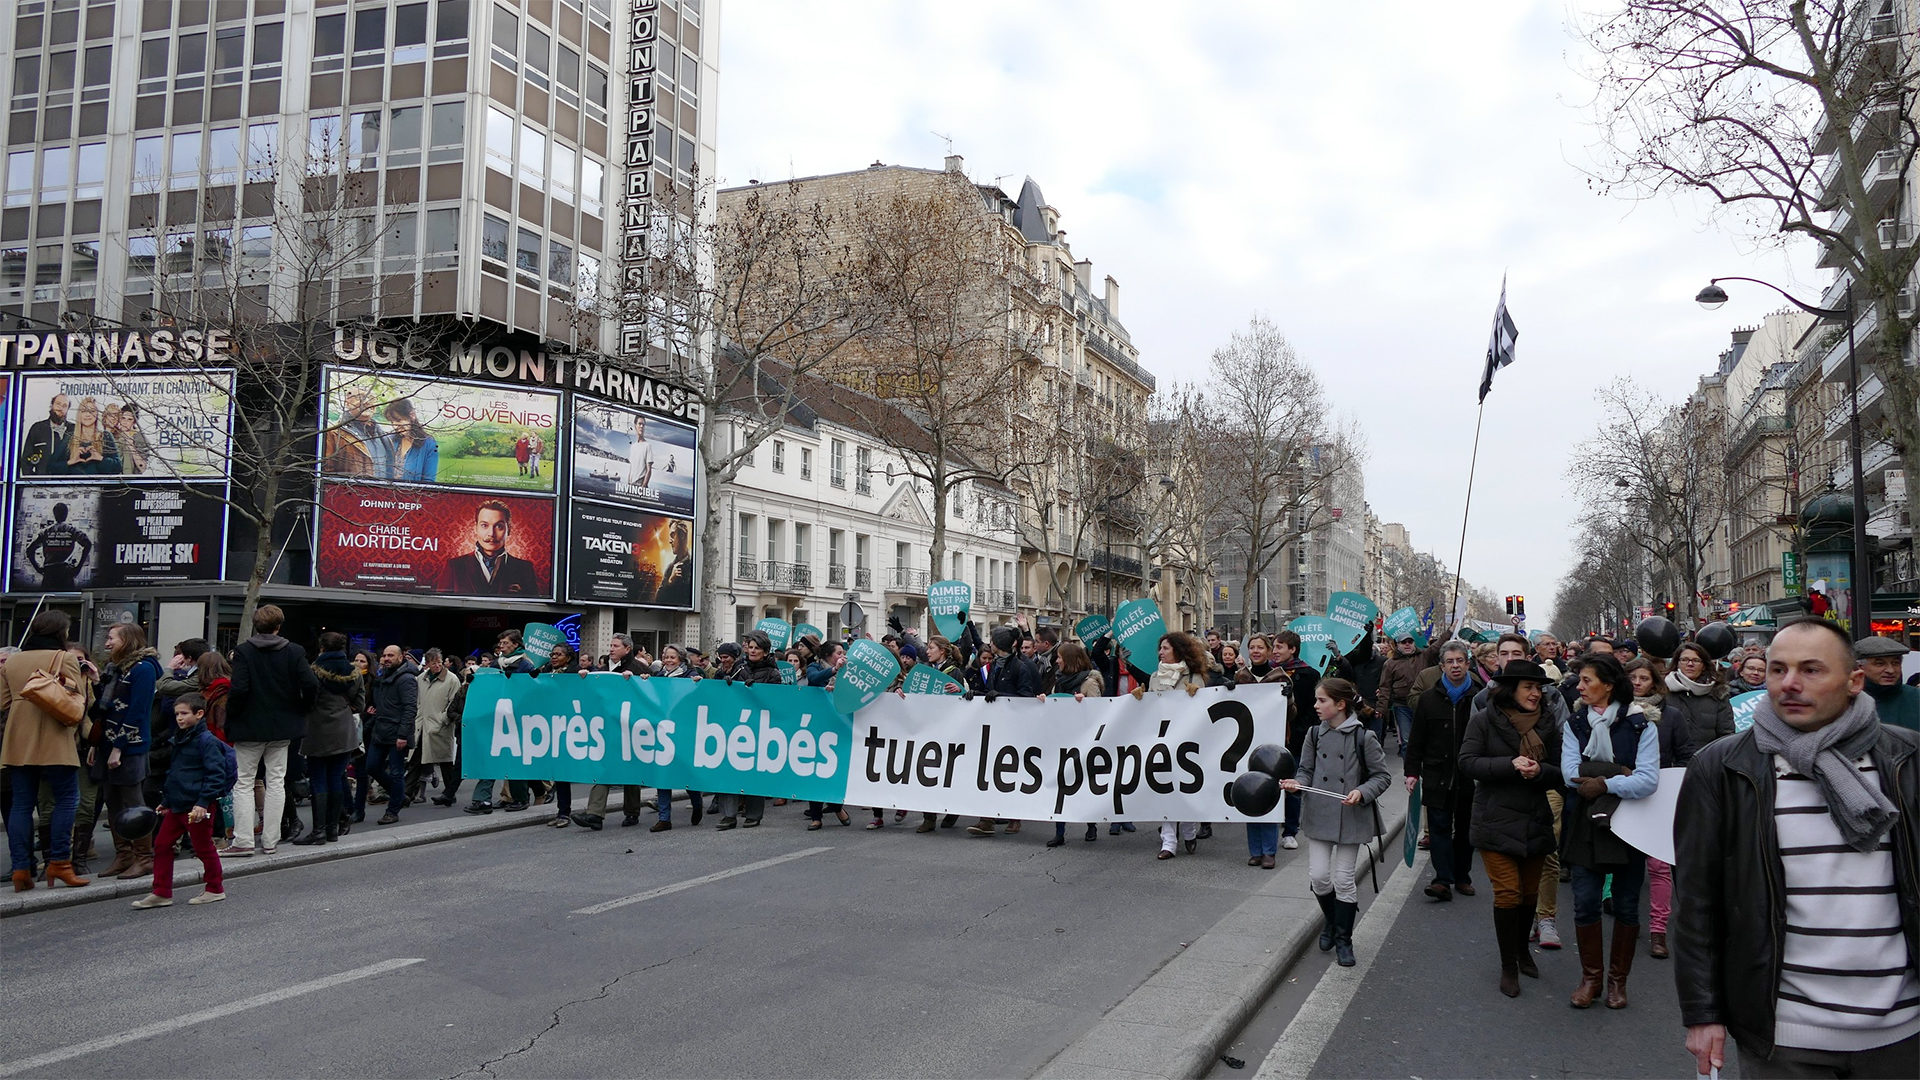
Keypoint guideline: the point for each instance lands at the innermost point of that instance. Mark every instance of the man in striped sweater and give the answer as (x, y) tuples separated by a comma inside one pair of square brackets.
[(1797, 889)]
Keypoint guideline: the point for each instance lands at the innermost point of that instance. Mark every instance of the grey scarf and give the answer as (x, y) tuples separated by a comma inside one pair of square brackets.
[(1600, 739), (1861, 810)]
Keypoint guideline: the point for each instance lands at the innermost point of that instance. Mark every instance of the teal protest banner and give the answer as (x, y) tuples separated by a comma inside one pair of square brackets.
[(778, 631), (789, 674), (1317, 639), (1138, 628), (538, 640), (1404, 623), (808, 630), (1352, 609), (948, 603), (1091, 629), (927, 679), (869, 669), (1743, 708)]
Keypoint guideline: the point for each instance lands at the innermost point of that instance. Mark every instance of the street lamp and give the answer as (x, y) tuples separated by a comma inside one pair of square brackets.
[(1711, 298)]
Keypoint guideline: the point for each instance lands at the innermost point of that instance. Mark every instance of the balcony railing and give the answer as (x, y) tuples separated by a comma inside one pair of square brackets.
[(997, 599), (837, 575), (905, 579), (787, 575), (863, 578), (748, 568)]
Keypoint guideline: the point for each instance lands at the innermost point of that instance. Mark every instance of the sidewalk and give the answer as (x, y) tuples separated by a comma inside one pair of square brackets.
[(439, 824), (1177, 1022)]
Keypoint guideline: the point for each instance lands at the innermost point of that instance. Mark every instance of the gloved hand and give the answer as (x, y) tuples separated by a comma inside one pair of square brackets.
[(1592, 787)]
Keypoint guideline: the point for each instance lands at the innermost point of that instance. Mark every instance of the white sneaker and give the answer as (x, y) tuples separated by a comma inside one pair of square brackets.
[(153, 900), (208, 898), (1549, 934), (1289, 843)]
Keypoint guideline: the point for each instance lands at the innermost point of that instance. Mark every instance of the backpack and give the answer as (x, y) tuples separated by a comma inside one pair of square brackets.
[(232, 760)]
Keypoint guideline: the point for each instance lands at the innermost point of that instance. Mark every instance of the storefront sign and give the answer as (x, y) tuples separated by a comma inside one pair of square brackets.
[(115, 349)]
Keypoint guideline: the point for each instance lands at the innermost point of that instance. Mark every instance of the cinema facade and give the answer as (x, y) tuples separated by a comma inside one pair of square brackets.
[(455, 490)]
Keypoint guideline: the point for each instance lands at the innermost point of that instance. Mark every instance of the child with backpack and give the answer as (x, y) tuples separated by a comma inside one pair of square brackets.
[(202, 773)]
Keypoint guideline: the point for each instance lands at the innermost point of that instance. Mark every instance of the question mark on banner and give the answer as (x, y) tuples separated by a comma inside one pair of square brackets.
[(1230, 761)]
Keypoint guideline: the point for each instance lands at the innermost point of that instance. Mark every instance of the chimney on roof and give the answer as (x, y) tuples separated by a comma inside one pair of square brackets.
[(1113, 298), (956, 164), (877, 165), (1083, 270)]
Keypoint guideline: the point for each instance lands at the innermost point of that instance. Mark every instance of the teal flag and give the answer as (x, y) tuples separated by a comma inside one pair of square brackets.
[(948, 603), (778, 631), (1138, 628), (1743, 707), (869, 669), (538, 639), (1404, 623), (1091, 629), (927, 679), (808, 630), (1410, 836), (1354, 610)]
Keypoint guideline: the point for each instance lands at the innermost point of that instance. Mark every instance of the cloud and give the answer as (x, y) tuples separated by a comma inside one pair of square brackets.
[(1364, 177)]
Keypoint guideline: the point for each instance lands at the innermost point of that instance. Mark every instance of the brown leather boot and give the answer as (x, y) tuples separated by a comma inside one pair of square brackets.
[(1625, 936), (142, 860), (23, 881), (122, 857), (1591, 941), (61, 870), (1657, 945)]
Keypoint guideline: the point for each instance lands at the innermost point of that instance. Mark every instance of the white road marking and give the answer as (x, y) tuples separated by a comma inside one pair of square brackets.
[(694, 883), (1301, 1045), (218, 1012)]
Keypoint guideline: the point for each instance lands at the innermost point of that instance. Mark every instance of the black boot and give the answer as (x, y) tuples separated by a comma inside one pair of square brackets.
[(322, 803), (1503, 934), (332, 826), (1344, 913), (1326, 928)]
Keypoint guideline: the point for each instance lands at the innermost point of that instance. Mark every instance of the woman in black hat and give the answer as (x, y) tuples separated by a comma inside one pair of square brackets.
[(1512, 753)]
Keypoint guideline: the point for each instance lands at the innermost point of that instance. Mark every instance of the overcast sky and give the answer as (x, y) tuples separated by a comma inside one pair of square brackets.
[(1361, 176)]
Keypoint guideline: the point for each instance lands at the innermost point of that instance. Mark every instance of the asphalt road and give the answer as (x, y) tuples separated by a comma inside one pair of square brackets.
[(886, 954)]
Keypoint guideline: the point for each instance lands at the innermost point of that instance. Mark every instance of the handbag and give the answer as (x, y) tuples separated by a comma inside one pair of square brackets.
[(47, 690)]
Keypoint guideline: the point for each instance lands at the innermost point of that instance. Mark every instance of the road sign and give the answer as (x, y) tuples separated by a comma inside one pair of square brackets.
[(851, 615)]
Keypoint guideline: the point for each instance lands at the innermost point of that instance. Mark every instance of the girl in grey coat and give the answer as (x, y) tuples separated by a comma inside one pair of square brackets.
[(1341, 755)]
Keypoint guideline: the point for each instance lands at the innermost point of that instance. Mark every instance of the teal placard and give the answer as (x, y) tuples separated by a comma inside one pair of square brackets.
[(1743, 708), (538, 640), (1091, 629), (927, 679), (869, 669), (789, 674), (1138, 628), (1317, 634), (808, 630), (705, 734), (948, 603), (778, 631), (1352, 609), (1404, 623)]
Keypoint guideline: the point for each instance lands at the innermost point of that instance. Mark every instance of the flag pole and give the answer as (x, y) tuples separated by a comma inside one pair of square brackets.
[(1459, 562)]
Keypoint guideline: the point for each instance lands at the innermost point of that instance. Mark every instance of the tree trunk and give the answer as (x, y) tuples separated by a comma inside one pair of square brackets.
[(937, 553), (713, 553), (262, 550)]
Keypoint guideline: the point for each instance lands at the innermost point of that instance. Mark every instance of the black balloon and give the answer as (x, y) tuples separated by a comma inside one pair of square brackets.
[(1255, 794), (135, 822), (1658, 637), (1716, 638), (1274, 760)]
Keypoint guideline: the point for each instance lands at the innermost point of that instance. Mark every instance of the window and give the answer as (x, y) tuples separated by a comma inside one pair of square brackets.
[(450, 131), (403, 136), (493, 238), (596, 94), (47, 261), (60, 74), (363, 140), (559, 267), (97, 73), (539, 50), (779, 456), (90, 171), (592, 181), (806, 463), (836, 545), (229, 54), (410, 33), (863, 471), (149, 158), (26, 76), (402, 243), (860, 551), (526, 257), (687, 162), (268, 39), (262, 140), (566, 75), (837, 464), (370, 37), (443, 238), (499, 140), (587, 288), (802, 544), (329, 42), (690, 78), (775, 531), (56, 172), (450, 23), (256, 247), (20, 178), (601, 12), (323, 145), (13, 268), (142, 252), (190, 62), (83, 263), (746, 539), (562, 170), (506, 38), (154, 53), (223, 155), (185, 171), (533, 157)]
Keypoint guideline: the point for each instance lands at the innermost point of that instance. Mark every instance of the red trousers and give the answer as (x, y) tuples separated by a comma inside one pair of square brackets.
[(200, 835)]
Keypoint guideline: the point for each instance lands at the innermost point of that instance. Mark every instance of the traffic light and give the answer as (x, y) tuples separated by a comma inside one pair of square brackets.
[(1668, 606), (1509, 605), (1520, 606)]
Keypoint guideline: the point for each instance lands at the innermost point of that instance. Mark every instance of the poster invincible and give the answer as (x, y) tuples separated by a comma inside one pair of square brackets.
[(124, 426), (65, 537), (621, 556), (639, 459), (382, 428), (429, 541)]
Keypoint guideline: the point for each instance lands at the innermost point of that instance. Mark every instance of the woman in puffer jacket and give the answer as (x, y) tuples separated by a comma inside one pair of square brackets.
[(333, 734), (1697, 694)]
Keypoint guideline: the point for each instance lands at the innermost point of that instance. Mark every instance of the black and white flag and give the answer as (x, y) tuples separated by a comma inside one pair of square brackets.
[(1500, 349)]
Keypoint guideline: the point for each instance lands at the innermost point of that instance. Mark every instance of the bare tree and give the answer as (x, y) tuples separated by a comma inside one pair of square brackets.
[(1742, 100), (1606, 583)]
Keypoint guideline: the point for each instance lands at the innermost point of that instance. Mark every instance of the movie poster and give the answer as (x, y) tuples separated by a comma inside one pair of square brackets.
[(626, 557), (382, 428), (69, 537), (635, 458), (125, 426), (426, 541)]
